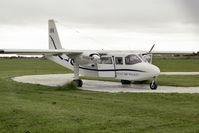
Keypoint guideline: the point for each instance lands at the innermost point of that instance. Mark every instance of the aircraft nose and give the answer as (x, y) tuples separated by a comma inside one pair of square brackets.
[(156, 71)]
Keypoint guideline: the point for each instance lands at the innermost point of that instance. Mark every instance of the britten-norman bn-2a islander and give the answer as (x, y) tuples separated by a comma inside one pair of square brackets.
[(126, 66)]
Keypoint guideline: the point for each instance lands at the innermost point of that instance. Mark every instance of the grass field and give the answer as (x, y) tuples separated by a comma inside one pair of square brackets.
[(41, 109), (177, 65)]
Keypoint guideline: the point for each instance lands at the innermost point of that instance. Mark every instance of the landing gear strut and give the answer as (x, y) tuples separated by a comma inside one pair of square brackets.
[(153, 84), (76, 75), (125, 82)]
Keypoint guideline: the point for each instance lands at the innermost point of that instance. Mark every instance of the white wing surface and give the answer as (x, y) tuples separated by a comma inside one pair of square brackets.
[(40, 52)]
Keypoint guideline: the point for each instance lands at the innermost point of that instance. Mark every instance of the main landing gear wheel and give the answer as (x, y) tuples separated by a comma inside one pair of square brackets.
[(125, 82), (153, 85), (78, 82)]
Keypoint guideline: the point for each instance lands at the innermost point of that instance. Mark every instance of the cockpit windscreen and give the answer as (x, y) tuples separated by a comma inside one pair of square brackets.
[(132, 59)]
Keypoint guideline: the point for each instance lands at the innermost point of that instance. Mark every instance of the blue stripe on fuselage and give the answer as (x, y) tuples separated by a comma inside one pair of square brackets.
[(109, 70)]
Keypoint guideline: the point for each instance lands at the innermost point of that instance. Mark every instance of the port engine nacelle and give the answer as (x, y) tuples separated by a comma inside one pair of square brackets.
[(87, 58)]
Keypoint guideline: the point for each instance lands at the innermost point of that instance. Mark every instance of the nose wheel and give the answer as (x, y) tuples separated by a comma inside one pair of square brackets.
[(153, 84)]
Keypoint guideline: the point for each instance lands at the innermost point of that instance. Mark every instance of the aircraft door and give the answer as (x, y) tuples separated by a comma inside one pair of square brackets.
[(119, 64), (106, 67)]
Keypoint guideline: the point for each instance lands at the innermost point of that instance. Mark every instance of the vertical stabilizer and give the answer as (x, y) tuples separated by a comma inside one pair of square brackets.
[(54, 42)]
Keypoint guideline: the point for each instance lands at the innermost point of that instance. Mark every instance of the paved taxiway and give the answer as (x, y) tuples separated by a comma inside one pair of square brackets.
[(61, 79)]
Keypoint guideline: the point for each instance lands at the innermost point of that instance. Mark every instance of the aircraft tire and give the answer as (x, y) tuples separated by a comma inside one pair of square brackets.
[(125, 82), (79, 82), (153, 85)]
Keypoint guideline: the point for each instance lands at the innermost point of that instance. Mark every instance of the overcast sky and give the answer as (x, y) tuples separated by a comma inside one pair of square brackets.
[(101, 24)]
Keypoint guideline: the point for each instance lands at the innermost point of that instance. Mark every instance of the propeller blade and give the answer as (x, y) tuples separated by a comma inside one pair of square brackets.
[(151, 48)]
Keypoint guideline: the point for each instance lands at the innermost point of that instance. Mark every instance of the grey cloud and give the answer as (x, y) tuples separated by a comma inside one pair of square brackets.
[(191, 8), (175, 19), (101, 13), (90, 10)]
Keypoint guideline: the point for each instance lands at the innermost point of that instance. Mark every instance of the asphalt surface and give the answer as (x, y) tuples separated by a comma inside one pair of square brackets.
[(102, 86)]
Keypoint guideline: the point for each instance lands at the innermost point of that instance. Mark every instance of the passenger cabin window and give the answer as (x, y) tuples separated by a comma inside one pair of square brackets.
[(106, 60), (132, 59), (119, 60)]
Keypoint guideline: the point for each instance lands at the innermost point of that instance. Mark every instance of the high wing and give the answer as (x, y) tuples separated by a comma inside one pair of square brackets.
[(56, 52), (45, 52), (151, 51), (174, 52)]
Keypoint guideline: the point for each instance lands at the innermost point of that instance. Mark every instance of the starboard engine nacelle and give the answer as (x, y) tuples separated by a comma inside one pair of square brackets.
[(87, 58)]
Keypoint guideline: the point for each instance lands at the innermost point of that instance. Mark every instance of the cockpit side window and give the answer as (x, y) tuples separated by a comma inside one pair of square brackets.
[(119, 60), (105, 60), (132, 59)]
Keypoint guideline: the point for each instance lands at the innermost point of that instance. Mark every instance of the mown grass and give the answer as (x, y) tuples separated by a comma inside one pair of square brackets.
[(41, 109), (177, 65), (179, 80), (12, 67)]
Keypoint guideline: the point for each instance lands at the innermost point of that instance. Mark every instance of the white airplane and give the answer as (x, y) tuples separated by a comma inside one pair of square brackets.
[(126, 66)]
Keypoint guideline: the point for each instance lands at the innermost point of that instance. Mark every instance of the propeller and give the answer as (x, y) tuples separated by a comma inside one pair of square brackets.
[(151, 49), (148, 55)]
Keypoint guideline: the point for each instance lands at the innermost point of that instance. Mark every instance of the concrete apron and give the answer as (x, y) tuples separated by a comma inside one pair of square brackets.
[(102, 86)]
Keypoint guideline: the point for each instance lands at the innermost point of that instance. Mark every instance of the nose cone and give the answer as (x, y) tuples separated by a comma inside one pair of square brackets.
[(149, 71), (156, 71), (152, 70)]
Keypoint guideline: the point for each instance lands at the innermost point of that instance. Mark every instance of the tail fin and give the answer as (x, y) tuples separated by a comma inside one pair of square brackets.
[(54, 42)]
